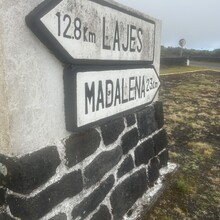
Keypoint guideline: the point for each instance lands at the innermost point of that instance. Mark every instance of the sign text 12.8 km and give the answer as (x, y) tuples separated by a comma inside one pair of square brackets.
[(93, 30)]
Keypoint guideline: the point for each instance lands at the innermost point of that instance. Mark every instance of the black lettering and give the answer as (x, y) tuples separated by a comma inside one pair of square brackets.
[(77, 31), (117, 93), (143, 88), (139, 49), (92, 37), (90, 99), (123, 92), (138, 87), (108, 93), (67, 17), (59, 24), (151, 83), (116, 38), (131, 88), (85, 29), (125, 48), (132, 38), (100, 97), (147, 87), (104, 46)]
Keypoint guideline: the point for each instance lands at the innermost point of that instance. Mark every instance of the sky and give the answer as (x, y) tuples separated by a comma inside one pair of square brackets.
[(197, 21)]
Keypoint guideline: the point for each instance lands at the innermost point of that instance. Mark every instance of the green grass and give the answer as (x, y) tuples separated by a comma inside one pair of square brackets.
[(191, 111), (184, 186), (179, 69)]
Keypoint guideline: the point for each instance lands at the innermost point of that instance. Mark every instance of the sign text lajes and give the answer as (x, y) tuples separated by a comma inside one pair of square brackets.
[(87, 30)]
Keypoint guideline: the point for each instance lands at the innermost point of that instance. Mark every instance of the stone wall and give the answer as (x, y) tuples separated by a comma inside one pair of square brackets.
[(97, 174)]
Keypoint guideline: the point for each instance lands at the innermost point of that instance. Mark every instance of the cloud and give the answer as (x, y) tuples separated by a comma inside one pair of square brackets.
[(195, 20)]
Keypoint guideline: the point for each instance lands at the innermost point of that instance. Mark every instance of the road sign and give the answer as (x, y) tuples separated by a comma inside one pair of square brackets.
[(182, 42), (94, 95), (93, 30)]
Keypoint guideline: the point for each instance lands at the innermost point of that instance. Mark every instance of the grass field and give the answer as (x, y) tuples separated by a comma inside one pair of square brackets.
[(179, 69), (192, 121)]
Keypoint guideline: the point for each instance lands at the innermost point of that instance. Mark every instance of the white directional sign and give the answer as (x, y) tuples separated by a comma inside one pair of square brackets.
[(93, 30), (94, 95)]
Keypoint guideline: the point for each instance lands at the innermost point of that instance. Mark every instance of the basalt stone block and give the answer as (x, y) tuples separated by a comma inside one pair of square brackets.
[(2, 196), (81, 145), (163, 158), (131, 120), (36, 207), (153, 171), (146, 122), (159, 114), (129, 140), (102, 214), (125, 167), (90, 203), (101, 165), (112, 130), (5, 216), (127, 193), (160, 141), (2, 178), (29, 172), (60, 216), (144, 152)]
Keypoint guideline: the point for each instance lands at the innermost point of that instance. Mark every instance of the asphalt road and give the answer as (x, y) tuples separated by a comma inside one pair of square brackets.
[(209, 65)]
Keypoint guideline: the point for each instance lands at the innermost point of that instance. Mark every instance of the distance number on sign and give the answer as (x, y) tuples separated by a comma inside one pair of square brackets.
[(65, 23)]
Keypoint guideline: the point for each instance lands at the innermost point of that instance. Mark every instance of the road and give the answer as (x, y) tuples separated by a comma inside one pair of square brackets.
[(209, 65)]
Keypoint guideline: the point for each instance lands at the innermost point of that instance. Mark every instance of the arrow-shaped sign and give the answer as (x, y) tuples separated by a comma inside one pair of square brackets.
[(93, 31), (94, 95)]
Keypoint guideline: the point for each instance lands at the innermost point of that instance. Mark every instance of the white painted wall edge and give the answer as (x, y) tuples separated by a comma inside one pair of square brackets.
[(32, 92)]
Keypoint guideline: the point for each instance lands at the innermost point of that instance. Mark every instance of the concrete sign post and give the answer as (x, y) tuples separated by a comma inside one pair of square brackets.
[(95, 95), (77, 135), (86, 31)]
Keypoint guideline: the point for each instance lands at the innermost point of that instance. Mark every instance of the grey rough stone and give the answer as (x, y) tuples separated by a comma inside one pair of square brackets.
[(159, 114), (36, 207), (146, 122), (112, 130), (91, 202), (153, 171), (160, 141), (129, 140), (126, 166), (5, 216), (2, 196), (102, 214), (30, 171), (163, 158), (101, 165), (81, 145), (144, 152), (131, 120), (127, 193)]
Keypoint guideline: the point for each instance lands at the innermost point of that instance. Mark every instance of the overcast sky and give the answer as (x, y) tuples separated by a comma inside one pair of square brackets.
[(197, 21)]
